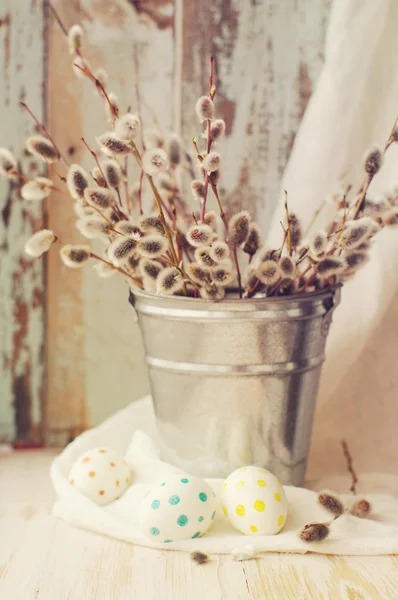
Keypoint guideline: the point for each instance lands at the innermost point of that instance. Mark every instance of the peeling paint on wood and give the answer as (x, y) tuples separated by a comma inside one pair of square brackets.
[(155, 11), (267, 54), (21, 280), (66, 407)]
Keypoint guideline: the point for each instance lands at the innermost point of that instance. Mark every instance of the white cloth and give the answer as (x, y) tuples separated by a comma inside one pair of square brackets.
[(128, 432), (352, 108)]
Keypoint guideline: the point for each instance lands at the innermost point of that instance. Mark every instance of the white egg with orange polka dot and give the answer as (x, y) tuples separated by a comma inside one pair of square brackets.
[(100, 474), (254, 501)]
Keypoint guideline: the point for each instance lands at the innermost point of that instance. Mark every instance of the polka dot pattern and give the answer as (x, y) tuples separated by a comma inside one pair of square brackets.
[(154, 531), (196, 535), (259, 505), (180, 509), (101, 474), (254, 501), (240, 510), (174, 500), (182, 520)]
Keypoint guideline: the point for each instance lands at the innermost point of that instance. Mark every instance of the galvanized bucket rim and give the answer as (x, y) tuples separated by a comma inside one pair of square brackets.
[(207, 305)]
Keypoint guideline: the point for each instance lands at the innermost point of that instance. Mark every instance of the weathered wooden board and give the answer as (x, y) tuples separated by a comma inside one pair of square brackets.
[(22, 363), (268, 56), (58, 561)]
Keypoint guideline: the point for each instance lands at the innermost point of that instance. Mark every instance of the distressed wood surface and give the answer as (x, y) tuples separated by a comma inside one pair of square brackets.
[(267, 54), (45, 559), (22, 364)]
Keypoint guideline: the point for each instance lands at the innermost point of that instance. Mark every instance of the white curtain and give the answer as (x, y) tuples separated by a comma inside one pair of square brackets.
[(353, 107)]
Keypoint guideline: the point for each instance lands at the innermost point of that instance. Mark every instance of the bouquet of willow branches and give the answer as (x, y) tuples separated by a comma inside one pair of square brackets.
[(169, 250)]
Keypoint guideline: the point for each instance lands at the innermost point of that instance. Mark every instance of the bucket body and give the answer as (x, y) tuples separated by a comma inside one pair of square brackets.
[(235, 382)]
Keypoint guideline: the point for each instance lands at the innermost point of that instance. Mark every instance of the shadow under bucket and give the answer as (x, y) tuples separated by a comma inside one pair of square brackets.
[(235, 382)]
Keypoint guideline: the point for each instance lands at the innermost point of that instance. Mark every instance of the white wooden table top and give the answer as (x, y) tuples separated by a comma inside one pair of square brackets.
[(42, 558)]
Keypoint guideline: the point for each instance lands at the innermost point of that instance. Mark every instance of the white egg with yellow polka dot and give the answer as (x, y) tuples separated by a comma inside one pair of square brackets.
[(101, 474), (179, 508), (254, 501)]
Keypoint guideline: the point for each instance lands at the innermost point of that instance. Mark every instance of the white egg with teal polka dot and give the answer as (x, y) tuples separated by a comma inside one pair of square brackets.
[(101, 474), (254, 501), (178, 508)]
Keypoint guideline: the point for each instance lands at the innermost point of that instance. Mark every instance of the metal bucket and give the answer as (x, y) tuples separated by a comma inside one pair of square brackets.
[(235, 382)]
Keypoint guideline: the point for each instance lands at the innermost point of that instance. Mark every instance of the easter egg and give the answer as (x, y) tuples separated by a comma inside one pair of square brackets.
[(181, 507), (254, 501), (101, 474)]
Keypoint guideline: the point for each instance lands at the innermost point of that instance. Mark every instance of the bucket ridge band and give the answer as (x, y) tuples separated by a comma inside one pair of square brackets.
[(241, 370)]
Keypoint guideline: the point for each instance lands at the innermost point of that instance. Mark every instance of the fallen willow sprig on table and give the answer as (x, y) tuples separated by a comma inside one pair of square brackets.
[(164, 247), (336, 507)]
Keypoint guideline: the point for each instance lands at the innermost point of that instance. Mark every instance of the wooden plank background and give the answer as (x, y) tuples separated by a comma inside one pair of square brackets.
[(22, 319), (268, 55)]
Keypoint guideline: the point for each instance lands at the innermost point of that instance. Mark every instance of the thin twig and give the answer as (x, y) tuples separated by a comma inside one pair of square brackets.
[(369, 176), (350, 467), (86, 71), (45, 132), (251, 291), (26, 178), (136, 281), (314, 218), (95, 157), (55, 14), (220, 208), (159, 206), (126, 183), (288, 225), (212, 91), (118, 210), (139, 195), (235, 256), (284, 241), (120, 199), (215, 190)]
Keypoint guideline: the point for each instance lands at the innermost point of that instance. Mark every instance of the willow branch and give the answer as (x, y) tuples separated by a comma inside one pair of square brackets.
[(350, 467)]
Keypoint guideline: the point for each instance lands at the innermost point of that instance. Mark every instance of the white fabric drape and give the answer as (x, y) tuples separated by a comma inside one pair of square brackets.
[(353, 107), (128, 432)]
